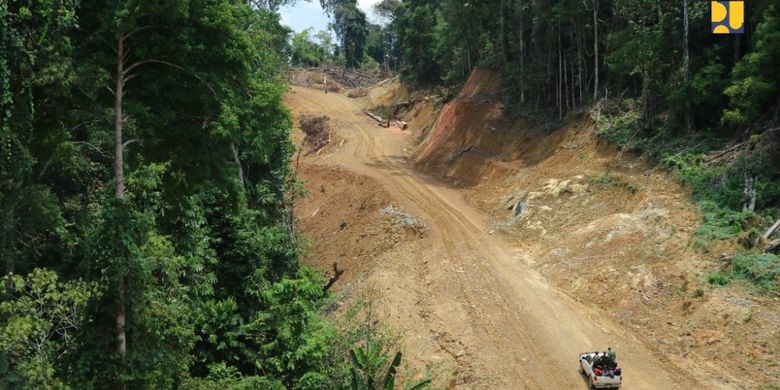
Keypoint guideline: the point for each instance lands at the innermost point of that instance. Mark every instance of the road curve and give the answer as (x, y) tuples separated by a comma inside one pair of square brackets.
[(516, 330)]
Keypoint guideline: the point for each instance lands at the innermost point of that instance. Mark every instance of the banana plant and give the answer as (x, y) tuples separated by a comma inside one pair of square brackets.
[(368, 362)]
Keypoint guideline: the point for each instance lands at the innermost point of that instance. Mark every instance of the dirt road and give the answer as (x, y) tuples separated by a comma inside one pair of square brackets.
[(493, 314)]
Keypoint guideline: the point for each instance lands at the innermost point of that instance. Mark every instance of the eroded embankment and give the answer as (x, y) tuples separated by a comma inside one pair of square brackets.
[(606, 228)]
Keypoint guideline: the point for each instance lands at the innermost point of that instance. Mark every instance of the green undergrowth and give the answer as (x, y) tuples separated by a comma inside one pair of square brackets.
[(761, 270), (386, 112), (721, 168), (606, 178)]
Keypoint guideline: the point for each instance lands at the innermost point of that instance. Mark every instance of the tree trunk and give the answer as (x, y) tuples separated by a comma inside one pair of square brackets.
[(645, 93), (522, 50), (8, 239), (773, 247), (595, 50), (504, 39), (560, 75), (685, 40), (240, 169), (571, 85), (579, 62), (771, 229), (686, 61), (119, 177), (750, 194), (566, 87)]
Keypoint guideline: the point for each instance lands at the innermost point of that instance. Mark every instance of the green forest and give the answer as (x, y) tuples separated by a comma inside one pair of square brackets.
[(148, 237)]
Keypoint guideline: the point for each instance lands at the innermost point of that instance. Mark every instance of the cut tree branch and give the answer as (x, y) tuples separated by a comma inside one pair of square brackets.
[(139, 29), (336, 275), (721, 154), (126, 77), (773, 247), (128, 142), (772, 229)]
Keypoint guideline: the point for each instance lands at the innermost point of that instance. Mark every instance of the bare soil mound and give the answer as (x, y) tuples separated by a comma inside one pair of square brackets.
[(351, 220), (317, 131)]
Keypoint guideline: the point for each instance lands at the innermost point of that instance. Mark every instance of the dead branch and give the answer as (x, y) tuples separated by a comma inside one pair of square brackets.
[(773, 246), (128, 142), (772, 229), (127, 77), (317, 131), (298, 157), (723, 153), (374, 116), (336, 275)]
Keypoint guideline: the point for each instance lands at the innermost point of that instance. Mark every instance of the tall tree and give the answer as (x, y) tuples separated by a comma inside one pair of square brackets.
[(350, 25), (33, 62)]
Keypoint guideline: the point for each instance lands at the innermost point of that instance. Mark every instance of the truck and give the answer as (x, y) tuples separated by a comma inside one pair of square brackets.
[(601, 373)]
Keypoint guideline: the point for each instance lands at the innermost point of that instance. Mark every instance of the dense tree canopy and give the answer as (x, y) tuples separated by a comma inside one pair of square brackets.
[(144, 190), (565, 54)]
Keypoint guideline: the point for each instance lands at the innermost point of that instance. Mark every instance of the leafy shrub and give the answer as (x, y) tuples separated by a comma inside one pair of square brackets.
[(719, 278), (38, 321), (719, 223), (619, 124), (763, 270), (606, 178)]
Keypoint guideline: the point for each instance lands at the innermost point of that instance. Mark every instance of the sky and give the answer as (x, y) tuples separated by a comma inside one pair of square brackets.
[(305, 14)]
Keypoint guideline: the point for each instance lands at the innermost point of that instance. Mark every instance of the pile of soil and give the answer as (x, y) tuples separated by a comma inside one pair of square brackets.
[(318, 133)]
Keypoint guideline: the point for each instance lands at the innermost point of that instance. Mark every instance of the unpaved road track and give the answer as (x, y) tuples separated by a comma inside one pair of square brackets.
[(512, 330)]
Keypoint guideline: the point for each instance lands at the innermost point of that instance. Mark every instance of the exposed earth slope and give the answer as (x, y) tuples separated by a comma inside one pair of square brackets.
[(487, 296)]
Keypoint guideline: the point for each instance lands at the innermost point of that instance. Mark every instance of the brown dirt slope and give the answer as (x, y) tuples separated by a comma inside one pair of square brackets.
[(561, 244), (607, 229), (472, 140)]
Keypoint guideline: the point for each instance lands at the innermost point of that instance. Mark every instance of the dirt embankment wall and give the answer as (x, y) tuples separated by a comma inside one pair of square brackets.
[(473, 140), (606, 228)]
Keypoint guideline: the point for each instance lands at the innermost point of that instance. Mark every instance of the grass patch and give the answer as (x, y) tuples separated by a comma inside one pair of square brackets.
[(762, 270), (719, 279), (386, 112), (719, 223), (607, 179)]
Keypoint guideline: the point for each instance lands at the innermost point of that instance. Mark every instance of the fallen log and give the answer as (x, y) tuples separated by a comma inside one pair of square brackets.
[(374, 116), (723, 153), (399, 124), (378, 119), (772, 229), (773, 247)]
